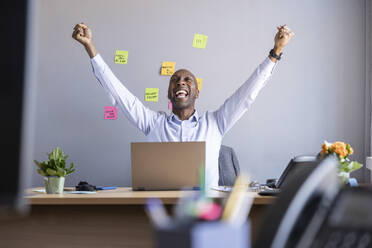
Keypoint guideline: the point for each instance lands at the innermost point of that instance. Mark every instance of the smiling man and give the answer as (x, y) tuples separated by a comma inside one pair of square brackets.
[(182, 92), (185, 123)]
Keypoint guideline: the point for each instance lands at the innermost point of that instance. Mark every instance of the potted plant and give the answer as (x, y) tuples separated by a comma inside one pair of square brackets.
[(54, 171), (342, 151)]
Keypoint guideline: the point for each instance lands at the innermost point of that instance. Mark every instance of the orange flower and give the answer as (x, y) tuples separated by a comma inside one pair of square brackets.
[(324, 149), (340, 149)]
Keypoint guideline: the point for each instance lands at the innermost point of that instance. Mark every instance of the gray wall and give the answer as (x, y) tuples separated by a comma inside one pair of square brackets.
[(315, 94)]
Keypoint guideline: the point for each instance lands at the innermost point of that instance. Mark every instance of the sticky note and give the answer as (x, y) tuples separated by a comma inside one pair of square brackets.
[(169, 105), (200, 41), (168, 68), (110, 113), (151, 94), (121, 57), (199, 81)]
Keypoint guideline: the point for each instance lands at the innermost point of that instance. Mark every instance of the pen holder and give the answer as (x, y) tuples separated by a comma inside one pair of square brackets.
[(204, 235)]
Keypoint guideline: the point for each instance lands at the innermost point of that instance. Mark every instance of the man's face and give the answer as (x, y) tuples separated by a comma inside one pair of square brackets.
[(183, 89)]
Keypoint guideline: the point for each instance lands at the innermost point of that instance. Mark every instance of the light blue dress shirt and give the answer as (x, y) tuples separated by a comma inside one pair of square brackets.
[(209, 127)]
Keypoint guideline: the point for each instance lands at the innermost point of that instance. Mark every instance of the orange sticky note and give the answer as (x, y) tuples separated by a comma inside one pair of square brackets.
[(168, 68), (199, 82)]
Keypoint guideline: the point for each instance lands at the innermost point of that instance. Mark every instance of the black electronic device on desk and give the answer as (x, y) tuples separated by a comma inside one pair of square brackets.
[(319, 212), (291, 216), (348, 222), (297, 167)]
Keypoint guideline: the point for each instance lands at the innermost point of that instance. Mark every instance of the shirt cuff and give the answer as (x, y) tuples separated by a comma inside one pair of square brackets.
[(97, 60), (268, 65)]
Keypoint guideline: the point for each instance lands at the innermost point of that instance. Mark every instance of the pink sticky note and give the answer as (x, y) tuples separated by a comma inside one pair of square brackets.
[(110, 113), (170, 105)]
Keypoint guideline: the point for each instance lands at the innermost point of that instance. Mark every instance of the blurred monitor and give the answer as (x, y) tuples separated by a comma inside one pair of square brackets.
[(16, 20), (298, 212)]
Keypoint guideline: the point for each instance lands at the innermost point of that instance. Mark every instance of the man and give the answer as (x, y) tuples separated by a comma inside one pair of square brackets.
[(184, 123)]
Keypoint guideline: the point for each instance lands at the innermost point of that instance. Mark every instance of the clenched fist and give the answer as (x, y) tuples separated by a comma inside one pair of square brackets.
[(83, 34), (283, 36)]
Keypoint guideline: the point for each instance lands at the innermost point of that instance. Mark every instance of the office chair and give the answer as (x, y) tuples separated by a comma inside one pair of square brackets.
[(228, 166)]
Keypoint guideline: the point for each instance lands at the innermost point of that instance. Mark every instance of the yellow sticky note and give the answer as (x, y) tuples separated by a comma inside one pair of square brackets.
[(199, 81), (168, 68), (121, 57), (200, 41), (151, 94)]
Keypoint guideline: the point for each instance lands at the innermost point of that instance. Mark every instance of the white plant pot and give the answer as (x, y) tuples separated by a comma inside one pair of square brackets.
[(54, 185)]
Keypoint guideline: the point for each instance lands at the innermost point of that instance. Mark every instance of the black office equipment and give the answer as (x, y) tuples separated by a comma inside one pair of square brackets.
[(294, 219), (296, 168), (15, 145), (85, 186), (348, 222)]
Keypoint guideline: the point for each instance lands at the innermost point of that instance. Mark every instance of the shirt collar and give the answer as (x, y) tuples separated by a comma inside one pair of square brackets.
[(193, 118)]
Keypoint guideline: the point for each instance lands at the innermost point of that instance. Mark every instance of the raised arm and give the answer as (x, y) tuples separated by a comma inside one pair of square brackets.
[(237, 104), (120, 96)]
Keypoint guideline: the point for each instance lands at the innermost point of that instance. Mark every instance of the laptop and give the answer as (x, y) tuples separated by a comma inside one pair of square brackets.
[(167, 165), (297, 167)]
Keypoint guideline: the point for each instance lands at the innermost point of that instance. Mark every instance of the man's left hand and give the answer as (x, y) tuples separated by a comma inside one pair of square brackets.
[(282, 37)]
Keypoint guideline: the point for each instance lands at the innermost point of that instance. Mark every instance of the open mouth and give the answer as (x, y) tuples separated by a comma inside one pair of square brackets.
[(181, 94)]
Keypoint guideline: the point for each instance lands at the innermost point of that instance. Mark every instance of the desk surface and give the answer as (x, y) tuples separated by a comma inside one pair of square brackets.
[(124, 196)]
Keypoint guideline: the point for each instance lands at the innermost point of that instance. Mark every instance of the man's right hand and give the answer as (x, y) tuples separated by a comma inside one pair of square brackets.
[(83, 34)]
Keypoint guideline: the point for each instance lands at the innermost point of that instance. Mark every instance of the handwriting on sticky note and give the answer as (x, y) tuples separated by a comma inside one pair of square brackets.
[(199, 82), (110, 113), (151, 94), (168, 68), (121, 57), (200, 41), (169, 105)]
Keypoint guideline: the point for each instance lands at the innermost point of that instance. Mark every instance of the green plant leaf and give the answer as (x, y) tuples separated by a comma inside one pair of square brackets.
[(37, 163), (354, 166), (61, 172), (41, 172), (62, 164), (52, 163), (44, 165), (56, 164), (70, 171), (51, 172)]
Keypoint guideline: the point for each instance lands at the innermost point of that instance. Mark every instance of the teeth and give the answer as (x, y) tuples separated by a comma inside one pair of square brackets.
[(181, 92)]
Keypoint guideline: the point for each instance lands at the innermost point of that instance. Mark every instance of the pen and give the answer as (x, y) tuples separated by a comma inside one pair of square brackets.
[(105, 188)]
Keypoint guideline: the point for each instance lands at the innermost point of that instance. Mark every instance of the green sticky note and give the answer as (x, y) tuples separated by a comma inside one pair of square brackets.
[(121, 57), (152, 94), (200, 41)]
